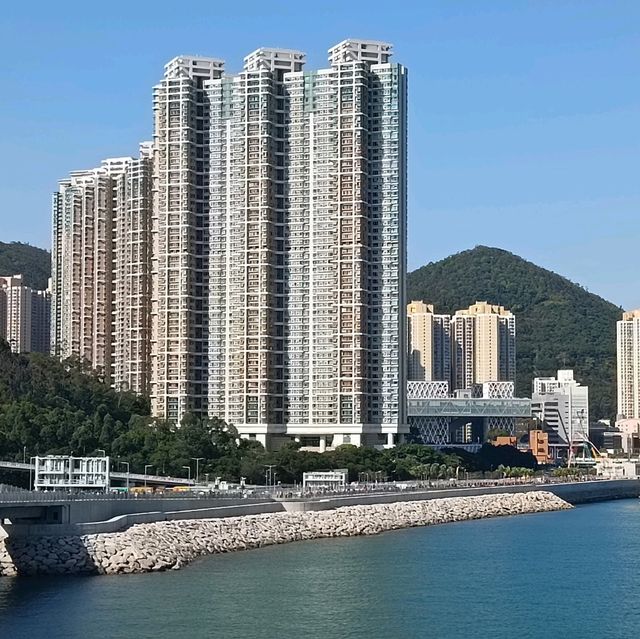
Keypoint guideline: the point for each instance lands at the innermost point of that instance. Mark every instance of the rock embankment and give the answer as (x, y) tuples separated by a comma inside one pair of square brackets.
[(172, 544)]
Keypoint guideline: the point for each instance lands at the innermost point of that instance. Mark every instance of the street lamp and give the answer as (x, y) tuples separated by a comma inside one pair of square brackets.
[(189, 471), (197, 460), (103, 451), (268, 475), (145, 473), (127, 465)]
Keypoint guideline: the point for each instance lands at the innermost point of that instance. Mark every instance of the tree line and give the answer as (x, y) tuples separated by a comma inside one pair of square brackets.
[(52, 407)]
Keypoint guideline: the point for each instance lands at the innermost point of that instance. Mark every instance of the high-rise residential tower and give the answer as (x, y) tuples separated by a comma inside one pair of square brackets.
[(101, 269), (279, 240), (180, 236), (24, 315), (484, 343), (628, 351), (428, 343)]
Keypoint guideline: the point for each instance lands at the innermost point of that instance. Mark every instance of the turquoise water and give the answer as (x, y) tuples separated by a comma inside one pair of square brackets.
[(566, 574)]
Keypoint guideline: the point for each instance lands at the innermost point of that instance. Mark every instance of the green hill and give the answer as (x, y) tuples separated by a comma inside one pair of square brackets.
[(559, 323), (32, 262)]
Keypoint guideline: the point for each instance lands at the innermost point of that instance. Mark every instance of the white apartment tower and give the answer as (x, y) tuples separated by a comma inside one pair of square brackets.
[(279, 240), (628, 352), (101, 269), (484, 344), (428, 343)]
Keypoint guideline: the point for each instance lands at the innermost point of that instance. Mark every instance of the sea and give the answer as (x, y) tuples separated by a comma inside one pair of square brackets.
[(569, 574)]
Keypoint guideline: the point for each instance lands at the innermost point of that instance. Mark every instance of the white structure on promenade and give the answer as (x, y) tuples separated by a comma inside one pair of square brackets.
[(24, 315), (628, 351), (563, 404), (62, 472), (325, 480), (279, 245), (101, 269)]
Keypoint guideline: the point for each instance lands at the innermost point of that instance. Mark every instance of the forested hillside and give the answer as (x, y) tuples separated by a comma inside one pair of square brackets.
[(32, 262), (559, 324)]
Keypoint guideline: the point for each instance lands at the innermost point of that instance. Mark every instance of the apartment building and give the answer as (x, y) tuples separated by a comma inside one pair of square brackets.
[(279, 245), (628, 364), (100, 269), (428, 343), (484, 345), (24, 315)]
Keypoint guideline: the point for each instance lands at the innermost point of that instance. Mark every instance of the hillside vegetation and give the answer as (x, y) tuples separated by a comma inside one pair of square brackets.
[(559, 324), (32, 262)]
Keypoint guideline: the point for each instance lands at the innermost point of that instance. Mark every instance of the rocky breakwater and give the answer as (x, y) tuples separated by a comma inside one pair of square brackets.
[(172, 544)]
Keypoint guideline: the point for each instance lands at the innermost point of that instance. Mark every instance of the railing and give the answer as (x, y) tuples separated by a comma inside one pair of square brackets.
[(62, 496)]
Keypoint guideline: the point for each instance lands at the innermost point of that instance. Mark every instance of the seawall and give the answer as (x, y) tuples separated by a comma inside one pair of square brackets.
[(573, 492), (172, 544)]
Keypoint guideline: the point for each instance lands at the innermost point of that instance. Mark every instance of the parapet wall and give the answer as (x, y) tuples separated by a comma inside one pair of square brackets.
[(574, 493)]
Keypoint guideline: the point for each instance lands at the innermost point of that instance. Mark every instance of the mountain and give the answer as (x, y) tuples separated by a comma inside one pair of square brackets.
[(559, 324), (32, 262)]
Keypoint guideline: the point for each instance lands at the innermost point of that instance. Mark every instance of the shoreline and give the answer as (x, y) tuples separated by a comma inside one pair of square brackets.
[(170, 545)]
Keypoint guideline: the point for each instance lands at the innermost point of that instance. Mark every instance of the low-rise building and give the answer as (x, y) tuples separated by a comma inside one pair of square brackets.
[(65, 472), (325, 479), (562, 404)]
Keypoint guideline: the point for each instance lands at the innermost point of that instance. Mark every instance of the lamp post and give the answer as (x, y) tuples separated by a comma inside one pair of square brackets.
[(127, 465), (268, 475), (189, 471), (197, 460), (145, 473), (103, 451)]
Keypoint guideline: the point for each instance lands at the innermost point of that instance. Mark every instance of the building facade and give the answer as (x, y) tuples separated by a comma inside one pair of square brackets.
[(101, 269), (428, 343), (562, 403), (438, 417), (484, 345), (24, 315), (628, 364), (280, 245)]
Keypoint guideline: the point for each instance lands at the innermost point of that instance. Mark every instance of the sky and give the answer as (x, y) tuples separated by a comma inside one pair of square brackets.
[(524, 117)]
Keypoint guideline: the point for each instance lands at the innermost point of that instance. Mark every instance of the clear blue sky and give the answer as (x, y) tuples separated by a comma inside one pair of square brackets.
[(524, 114)]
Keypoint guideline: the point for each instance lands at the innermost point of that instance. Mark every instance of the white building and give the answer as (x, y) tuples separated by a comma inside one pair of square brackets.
[(280, 245), (62, 472), (628, 351), (325, 480), (563, 404)]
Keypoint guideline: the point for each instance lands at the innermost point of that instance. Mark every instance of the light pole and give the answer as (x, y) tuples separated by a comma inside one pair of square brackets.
[(24, 454), (32, 478), (145, 473), (127, 465), (197, 460), (268, 475), (103, 451), (189, 471)]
